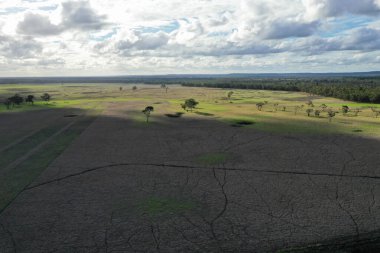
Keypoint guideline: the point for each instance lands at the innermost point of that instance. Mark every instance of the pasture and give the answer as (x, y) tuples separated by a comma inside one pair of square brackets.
[(85, 172)]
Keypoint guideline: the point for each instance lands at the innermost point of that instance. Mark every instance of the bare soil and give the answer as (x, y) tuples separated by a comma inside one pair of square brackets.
[(126, 187)]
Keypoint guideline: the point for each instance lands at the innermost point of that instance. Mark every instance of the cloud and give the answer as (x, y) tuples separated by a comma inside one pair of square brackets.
[(34, 24), (334, 8), (50, 62), (19, 48), (199, 35), (364, 39), (80, 15), (285, 29), (142, 41), (74, 15), (188, 30), (361, 40)]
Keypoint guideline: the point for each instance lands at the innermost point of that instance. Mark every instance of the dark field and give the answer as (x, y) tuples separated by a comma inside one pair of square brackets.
[(88, 174)]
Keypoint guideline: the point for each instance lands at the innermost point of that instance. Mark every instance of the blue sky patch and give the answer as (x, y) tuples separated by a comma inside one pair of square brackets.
[(343, 24), (174, 25)]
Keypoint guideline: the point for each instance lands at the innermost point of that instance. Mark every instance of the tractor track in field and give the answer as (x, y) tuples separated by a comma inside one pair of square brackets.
[(38, 147)]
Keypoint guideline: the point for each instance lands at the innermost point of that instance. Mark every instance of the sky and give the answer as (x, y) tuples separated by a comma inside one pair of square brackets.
[(144, 37)]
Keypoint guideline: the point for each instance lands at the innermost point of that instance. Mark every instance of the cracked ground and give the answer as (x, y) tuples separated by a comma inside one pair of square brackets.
[(127, 187)]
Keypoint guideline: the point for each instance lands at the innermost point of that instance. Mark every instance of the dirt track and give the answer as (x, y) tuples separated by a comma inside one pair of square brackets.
[(124, 187)]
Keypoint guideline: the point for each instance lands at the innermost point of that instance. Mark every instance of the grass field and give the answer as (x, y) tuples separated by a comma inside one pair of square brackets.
[(212, 105)]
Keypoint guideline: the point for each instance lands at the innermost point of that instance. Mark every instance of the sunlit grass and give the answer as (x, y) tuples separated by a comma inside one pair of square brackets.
[(212, 103)]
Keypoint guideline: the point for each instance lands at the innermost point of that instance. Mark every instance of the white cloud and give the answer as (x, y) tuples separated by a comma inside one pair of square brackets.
[(34, 24), (169, 36)]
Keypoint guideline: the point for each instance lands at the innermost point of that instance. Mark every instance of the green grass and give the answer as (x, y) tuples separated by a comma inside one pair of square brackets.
[(85, 96), (153, 206)]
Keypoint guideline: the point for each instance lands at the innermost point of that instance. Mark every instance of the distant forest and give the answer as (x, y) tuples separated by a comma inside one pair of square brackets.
[(358, 87), (361, 89)]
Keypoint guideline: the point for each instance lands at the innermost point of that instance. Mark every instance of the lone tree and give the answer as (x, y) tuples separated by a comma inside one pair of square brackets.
[(189, 104), (345, 109), (260, 106), (46, 97), (147, 112), (120, 88), (275, 107), (163, 86), (229, 95), (324, 107), (331, 114), (309, 111), (134, 88), (30, 99)]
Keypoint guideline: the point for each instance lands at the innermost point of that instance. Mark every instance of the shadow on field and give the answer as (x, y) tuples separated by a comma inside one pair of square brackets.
[(192, 184)]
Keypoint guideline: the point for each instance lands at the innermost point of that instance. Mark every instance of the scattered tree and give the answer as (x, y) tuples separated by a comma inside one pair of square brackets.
[(16, 99), (317, 113), (164, 86), (260, 106), (147, 112), (30, 99), (284, 108), (331, 114), (309, 111), (189, 104), (324, 107), (229, 95), (275, 107), (345, 109), (46, 97)]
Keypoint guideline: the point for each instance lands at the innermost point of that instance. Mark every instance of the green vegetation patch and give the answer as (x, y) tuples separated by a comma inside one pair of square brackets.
[(158, 206), (213, 158)]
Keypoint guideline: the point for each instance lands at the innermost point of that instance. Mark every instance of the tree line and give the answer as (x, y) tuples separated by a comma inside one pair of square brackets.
[(29, 99), (353, 89)]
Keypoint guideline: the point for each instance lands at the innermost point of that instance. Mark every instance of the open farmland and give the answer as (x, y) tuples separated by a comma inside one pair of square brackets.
[(85, 172)]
